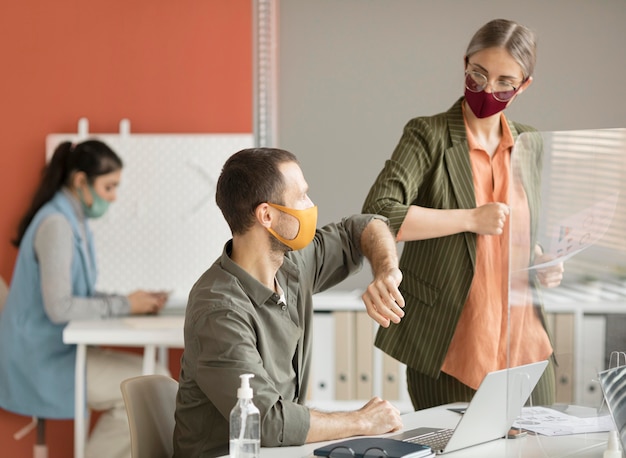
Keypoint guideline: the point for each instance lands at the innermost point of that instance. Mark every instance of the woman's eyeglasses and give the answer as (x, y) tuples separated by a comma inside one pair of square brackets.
[(503, 91)]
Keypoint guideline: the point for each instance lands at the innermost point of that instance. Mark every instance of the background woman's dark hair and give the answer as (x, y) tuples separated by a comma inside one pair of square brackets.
[(92, 157), (249, 178)]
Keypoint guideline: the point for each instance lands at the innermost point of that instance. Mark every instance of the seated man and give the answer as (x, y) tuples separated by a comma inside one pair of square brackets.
[(252, 311)]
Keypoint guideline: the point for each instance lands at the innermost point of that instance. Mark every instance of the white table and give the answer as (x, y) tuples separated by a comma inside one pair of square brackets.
[(591, 445), (149, 332)]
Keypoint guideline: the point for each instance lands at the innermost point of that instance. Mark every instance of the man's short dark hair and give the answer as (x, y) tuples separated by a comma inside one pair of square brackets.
[(249, 178)]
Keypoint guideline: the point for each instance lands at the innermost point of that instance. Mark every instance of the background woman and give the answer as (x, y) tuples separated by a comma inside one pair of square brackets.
[(54, 282)]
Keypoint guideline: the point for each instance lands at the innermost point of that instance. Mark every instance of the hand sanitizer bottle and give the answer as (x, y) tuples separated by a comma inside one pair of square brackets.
[(245, 423)]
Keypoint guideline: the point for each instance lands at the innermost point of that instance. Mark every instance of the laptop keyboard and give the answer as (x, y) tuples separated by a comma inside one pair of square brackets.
[(436, 440)]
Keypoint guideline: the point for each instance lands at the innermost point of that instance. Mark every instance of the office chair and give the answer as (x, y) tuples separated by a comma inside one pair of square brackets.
[(40, 449), (150, 402)]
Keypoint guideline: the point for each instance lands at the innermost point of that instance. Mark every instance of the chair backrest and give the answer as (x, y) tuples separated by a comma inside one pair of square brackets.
[(4, 292), (150, 404)]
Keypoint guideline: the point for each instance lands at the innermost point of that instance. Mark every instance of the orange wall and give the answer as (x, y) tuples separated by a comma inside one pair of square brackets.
[(168, 66)]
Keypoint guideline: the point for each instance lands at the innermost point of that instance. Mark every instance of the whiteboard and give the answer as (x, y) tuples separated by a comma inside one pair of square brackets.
[(165, 229)]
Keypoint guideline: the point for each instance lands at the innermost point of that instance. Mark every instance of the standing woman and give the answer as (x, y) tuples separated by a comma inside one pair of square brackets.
[(445, 191), (54, 282)]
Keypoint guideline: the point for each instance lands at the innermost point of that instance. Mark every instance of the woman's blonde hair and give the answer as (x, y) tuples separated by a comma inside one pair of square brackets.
[(518, 40)]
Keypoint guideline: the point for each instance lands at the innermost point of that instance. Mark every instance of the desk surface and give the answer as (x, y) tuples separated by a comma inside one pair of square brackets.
[(165, 330), (590, 445)]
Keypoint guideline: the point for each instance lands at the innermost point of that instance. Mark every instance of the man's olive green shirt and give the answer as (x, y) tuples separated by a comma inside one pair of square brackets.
[(235, 325)]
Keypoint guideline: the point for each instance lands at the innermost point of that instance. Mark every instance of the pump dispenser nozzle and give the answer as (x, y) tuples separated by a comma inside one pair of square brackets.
[(244, 391)]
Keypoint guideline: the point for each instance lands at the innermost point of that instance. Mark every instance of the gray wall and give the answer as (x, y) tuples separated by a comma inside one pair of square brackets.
[(353, 72)]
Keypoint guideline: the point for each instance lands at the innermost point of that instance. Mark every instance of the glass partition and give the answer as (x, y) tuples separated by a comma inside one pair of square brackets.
[(567, 199)]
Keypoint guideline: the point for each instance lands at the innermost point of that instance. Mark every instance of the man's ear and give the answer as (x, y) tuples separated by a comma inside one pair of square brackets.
[(263, 213)]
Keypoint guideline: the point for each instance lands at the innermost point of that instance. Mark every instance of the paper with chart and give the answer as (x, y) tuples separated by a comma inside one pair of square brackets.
[(579, 231), (550, 422)]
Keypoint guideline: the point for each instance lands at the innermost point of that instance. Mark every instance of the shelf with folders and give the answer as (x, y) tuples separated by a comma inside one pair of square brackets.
[(348, 369), (587, 321)]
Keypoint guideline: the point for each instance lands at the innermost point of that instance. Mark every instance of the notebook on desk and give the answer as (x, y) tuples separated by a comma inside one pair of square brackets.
[(487, 417), (373, 447), (613, 382)]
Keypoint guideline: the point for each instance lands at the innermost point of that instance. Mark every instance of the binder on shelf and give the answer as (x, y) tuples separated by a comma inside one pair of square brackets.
[(322, 366), (564, 352), (344, 355), (592, 358), (391, 379), (364, 355)]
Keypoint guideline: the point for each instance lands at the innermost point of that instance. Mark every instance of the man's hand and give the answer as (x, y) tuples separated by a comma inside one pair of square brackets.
[(382, 298), (375, 417), (379, 417)]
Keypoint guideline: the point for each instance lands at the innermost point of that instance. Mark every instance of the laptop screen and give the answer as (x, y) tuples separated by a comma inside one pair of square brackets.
[(613, 383)]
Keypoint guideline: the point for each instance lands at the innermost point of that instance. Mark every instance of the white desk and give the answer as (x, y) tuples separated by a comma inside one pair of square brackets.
[(530, 446), (150, 332)]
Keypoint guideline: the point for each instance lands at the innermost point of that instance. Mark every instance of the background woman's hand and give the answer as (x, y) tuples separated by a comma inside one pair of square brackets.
[(142, 302)]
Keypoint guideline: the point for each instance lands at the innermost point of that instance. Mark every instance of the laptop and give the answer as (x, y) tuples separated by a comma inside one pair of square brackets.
[(613, 383), (490, 414)]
